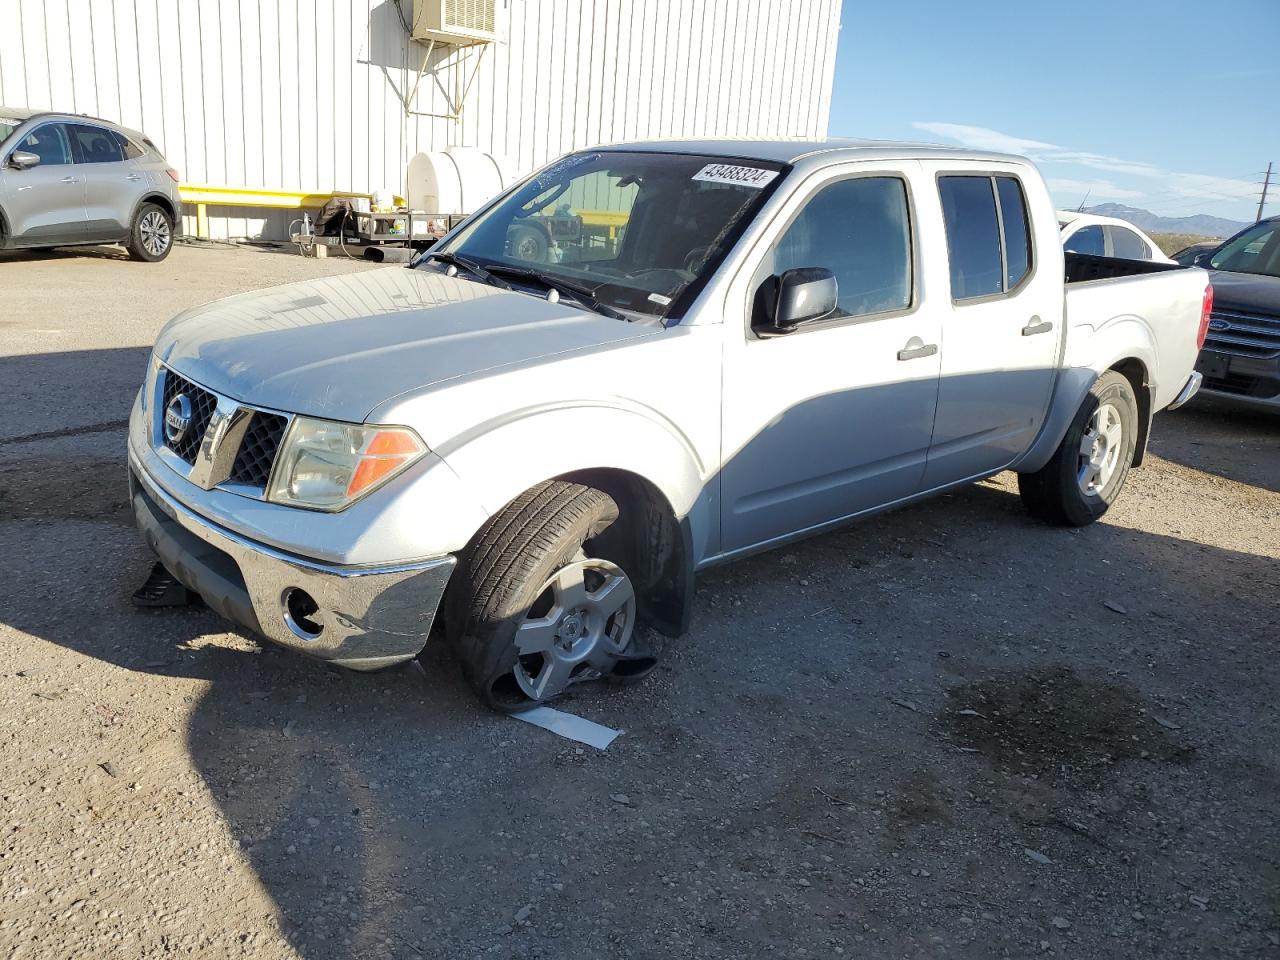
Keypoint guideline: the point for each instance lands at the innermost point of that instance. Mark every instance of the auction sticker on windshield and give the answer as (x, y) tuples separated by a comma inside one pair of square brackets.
[(755, 177)]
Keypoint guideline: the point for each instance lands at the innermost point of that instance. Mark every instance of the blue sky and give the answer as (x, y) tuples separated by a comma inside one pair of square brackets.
[(1171, 106)]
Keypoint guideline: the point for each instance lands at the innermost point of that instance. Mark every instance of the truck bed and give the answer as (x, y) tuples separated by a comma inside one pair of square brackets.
[(1085, 267), (1158, 304)]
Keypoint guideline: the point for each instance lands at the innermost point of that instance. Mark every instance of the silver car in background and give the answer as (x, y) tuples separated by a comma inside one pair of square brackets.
[(67, 179)]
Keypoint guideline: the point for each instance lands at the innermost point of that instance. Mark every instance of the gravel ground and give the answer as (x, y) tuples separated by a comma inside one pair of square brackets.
[(945, 732)]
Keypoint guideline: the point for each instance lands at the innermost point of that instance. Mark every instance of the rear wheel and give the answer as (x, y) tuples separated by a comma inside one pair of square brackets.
[(531, 612), (1088, 470), (151, 237)]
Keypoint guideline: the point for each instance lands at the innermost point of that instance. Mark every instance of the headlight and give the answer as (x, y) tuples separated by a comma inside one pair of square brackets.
[(328, 466)]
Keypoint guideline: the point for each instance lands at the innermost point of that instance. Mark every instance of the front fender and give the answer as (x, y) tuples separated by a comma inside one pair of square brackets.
[(1090, 353), (499, 460)]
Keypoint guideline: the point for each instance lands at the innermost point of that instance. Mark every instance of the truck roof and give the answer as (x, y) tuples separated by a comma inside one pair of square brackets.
[(791, 149)]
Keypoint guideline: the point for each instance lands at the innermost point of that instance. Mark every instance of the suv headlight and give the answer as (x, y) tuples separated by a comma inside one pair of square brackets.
[(325, 465)]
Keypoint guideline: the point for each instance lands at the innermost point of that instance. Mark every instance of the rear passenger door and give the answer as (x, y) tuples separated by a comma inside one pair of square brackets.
[(113, 184), (1001, 334)]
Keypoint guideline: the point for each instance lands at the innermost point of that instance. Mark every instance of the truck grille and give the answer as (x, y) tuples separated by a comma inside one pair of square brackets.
[(203, 403), (246, 466), (1244, 334), (257, 453)]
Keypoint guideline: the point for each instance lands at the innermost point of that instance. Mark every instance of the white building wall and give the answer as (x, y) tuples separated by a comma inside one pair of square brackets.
[(309, 94)]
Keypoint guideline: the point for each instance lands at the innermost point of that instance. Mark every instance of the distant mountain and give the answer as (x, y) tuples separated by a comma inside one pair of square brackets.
[(1200, 224)]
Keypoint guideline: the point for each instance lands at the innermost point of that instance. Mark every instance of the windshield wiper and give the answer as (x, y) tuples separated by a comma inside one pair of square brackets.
[(479, 272), (583, 294)]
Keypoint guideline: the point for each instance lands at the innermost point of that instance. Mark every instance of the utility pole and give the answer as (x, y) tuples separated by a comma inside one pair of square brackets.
[(1261, 203)]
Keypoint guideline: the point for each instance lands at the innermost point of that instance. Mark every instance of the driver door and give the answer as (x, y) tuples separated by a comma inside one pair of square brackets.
[(835, 418), (45, 203)]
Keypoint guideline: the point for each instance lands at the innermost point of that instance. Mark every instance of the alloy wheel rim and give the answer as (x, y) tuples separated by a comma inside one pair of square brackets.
[(155, 233), (585, 614), (1100, 447)]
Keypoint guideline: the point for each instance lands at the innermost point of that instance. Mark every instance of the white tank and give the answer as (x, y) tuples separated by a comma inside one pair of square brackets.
[(459, 180)]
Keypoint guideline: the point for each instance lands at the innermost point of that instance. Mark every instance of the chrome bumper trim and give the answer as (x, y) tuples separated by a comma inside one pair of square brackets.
[(371, 616), (1189, 390)]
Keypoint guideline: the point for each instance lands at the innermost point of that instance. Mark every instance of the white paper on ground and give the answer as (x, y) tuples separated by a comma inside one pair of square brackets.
[(567, 725)]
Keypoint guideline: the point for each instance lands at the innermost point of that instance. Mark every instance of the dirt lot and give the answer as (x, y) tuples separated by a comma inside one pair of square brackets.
[(945, 732)]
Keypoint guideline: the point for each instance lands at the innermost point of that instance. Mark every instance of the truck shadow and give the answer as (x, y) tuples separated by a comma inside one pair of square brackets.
[(389, 814)]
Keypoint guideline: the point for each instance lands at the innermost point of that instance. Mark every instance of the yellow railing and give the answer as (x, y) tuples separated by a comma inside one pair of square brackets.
[(202, 195)]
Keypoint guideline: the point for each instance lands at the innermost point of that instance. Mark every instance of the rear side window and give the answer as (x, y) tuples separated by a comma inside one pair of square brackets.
[(988, 234), (1017, 233), (131, 150), (1127, 244), (860, 230), (95, 145), (1086, 240), (48, 142)]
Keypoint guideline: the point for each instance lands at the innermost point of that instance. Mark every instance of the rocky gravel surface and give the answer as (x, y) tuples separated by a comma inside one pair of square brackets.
[(945, 732)]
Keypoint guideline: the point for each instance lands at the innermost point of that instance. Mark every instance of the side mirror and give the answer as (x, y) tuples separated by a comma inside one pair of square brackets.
[(1202, 259), (21, 160), (805, 294)]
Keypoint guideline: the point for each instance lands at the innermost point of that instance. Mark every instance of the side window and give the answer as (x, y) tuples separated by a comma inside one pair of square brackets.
[(1086, 240), (988, 234), (860, 230), (49, 143), (973, 236), (95, 145), (1127, 244), (131, 150), (1017, 232)]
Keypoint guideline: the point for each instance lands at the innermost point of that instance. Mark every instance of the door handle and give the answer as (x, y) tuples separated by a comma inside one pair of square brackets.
[(917, 348), (70, 180), (133, 176), (1036, 325)]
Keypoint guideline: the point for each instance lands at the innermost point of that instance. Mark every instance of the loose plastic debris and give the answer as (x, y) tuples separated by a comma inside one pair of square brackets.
[(571, 727)]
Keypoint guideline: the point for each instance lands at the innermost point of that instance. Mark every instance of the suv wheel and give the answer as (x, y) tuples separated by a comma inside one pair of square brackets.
[(151, 237)]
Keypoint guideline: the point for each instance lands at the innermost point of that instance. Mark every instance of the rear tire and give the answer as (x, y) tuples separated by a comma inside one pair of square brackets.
[(151, 236), (522, 631), (1088, 470)]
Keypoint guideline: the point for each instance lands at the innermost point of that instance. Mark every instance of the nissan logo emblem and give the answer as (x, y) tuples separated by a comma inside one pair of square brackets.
[(1219, 325), (177, 418)]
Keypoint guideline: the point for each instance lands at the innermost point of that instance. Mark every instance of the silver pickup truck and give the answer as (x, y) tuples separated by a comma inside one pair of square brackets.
[(642, 360)]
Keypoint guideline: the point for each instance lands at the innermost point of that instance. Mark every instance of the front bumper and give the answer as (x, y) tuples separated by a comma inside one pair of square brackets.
[(1250, 380), (369, 617)]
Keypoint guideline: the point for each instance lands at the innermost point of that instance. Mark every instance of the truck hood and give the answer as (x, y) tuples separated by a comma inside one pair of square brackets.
[(340, 346), (1246, 292)]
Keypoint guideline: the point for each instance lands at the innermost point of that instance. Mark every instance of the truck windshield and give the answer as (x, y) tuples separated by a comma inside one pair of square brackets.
[(1254, 251), (643, 232)]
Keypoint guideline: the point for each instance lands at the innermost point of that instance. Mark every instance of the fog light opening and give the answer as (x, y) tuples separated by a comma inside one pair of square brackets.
[(300, 609)]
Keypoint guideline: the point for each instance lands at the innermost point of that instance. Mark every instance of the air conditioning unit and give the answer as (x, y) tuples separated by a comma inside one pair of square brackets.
[(460, 23)]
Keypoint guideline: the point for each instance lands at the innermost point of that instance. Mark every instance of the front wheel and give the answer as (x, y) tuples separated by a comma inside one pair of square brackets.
[(531, 612), (1088, 470), (151, 237)]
